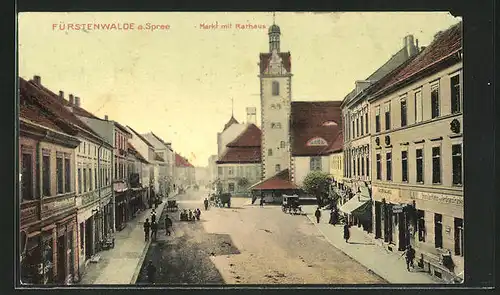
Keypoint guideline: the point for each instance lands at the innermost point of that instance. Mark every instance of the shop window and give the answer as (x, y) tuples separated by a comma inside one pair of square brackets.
[(276, 88), (379, 167), (436, 165), (59, 175), (435, 100), (438, 230), (388, 116), (389, 166), (459, 237), (455, 94), (270, 152), (377, 119), (421, 225), (67, 175), (456, 151), (420, 165), (46, 175), (404, 114), (404, 166)]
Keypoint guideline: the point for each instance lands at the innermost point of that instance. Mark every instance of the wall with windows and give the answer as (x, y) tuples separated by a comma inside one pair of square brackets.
[(416, 151), (304, 165), (337, 166), (230, 174), (58, 177)]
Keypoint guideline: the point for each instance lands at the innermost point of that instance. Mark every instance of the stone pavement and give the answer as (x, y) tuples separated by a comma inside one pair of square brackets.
[(121, 265), (361, 247)]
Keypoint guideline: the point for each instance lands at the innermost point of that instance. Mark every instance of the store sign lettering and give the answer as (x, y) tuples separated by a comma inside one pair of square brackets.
[(441, 198)]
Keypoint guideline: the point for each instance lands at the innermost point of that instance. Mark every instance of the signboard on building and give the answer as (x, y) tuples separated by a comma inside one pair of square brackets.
[(391, 195), (397, 209)]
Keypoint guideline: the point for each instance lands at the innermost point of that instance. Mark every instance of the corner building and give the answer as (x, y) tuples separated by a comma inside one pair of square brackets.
[(416, 154)]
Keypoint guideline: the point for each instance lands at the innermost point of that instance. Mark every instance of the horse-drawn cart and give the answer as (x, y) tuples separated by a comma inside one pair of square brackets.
[(291, 204), (172, 205)]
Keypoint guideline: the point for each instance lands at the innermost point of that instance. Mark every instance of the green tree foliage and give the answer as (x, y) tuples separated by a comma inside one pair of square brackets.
[(317, 183), (243, 182)]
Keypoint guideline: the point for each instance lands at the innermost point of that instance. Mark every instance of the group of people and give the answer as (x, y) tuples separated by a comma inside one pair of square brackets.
[(190, 215), (153, 226), (334, 219)]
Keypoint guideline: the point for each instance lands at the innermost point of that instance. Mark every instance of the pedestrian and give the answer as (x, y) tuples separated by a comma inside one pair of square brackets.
[(146, 229), (410, 256), (205, 202), (198, 213), (153, 216), (347, 233), (262, 202), (190, 215), (168, 225), (317, 214), (151, 271), (332, 217), (154, 230)]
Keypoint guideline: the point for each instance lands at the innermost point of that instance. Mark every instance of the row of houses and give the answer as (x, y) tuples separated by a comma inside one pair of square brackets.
[(81, 179), (392, 147)]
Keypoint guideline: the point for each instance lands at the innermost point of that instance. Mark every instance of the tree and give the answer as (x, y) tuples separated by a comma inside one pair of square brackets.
[(317, 183), (242, 182)]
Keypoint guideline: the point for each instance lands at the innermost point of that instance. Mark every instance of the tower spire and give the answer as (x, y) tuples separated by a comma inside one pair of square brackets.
[(232, 107)]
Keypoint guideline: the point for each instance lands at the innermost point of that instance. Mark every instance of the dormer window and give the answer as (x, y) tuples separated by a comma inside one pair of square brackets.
[(330, 123), (317, 141)]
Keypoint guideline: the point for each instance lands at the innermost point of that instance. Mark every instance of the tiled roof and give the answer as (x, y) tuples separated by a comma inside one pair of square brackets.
[(445, 45), (266, 57), (122, 128), (56, 105), (280, 181), (241, 155), (181, 161), (141, 137), (314, 119), (136, 154), (31, 111), (337, 145), (250, 137), (159, 158), (231, 121)]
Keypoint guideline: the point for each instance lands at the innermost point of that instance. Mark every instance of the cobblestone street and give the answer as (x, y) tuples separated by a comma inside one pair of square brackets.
[(247, 244)]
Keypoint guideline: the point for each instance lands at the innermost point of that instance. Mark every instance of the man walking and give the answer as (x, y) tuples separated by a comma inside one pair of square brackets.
[(205, 202), (168, 225), (347, 233), (154, 230), (410, 256), (317, 214), (146, 229), (262, 202), (151, 271)]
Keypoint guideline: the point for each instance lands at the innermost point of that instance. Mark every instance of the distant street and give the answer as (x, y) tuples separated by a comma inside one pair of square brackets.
[(247, 244)]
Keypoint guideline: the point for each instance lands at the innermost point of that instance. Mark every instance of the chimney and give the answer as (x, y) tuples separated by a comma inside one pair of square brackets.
[(409, 44), (77, 101), (106, 117), (71, 99), (251, 115), (61, 94), (37, 79)]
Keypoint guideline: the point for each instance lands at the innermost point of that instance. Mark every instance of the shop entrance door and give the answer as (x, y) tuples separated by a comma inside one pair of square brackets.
[(88, 238), (402, 232), (61, 259), (378, 220)]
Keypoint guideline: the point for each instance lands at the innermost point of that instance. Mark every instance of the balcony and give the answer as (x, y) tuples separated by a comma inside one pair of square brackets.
[(52, 206), (30, 211)]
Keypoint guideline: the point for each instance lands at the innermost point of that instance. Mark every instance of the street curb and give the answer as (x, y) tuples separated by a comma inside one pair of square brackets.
[(331, 243)]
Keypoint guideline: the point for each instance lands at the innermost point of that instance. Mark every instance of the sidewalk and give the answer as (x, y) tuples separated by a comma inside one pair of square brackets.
[(361, 247), (122, 264)]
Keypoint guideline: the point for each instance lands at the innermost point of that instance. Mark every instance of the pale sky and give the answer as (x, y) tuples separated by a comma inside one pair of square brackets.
[(179, 82)]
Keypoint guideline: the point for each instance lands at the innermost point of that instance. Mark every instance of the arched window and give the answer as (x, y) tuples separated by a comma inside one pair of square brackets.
[(330, 123), (276, 88), (317, 141)]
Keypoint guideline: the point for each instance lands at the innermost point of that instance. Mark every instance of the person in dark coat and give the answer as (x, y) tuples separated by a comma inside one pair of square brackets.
[(347, 233), (146, 229), (151, 272), (317, 214), (168, 225), (332, 217), (154, 230), (197, 213), (410, 256), (262, 202), (206, 204)]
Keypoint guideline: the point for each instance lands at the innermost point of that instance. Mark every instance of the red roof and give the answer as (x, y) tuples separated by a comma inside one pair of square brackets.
[(33, 107), (181, 161), (445, 45), (266, 57), (337, 145), (315, 119), (280, 181), (245, 148)]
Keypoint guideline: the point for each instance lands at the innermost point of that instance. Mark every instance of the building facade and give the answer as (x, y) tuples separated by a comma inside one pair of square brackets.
[(48, 231), (417, 146)]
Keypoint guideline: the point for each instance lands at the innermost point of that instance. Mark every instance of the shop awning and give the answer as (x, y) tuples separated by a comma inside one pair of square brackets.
[(355, 204)]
